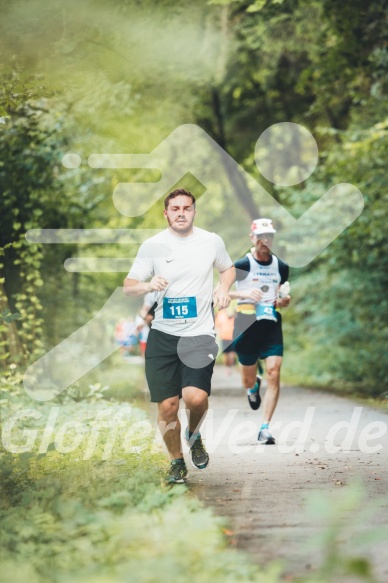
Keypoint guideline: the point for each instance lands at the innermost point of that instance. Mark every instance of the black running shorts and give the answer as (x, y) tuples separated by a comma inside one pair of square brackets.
[(173, 363), (254, 340)]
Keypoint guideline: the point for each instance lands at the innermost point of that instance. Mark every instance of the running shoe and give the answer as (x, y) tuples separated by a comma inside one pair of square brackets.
[(265, 438), (254, 398), (177, 473), (199, 455)]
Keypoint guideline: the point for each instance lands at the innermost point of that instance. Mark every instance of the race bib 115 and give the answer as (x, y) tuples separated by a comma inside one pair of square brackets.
[(179, 308)]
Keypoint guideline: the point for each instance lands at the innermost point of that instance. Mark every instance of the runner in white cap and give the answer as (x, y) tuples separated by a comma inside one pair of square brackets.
[(262, 289)]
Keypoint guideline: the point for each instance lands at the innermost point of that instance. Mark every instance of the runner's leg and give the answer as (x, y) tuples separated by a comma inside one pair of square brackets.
[(273, 365), (248, 375), (170, 426), (196, 401)]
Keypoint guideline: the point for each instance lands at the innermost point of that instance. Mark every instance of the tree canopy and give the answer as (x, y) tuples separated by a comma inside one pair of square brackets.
[(118, 77)]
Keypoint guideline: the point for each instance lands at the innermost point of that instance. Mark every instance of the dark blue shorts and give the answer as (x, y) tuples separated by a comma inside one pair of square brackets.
[(227, 346), (254, 340)]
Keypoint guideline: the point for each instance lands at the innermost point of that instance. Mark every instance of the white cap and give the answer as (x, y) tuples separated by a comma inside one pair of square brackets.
[(260, 226)]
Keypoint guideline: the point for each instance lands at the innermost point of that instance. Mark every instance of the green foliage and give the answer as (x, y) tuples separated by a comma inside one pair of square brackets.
[(8, 317), (119, 78), (36, 194), (67, 518), (339, 321), (27, 301), (343, 517)]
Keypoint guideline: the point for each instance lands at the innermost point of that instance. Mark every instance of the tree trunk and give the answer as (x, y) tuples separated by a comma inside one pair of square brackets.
[(237, 180)]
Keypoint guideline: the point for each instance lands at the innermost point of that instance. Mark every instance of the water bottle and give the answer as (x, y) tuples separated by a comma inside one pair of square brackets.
[(284, 290)]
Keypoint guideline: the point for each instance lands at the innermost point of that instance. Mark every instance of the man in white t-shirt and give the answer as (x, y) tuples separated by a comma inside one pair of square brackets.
[(181, 347)]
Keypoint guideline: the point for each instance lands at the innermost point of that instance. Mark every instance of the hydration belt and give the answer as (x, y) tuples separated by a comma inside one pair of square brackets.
[(246, 308)]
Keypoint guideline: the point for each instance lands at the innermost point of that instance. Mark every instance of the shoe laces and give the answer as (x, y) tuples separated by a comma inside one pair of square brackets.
[(198, 446), (177, 468)]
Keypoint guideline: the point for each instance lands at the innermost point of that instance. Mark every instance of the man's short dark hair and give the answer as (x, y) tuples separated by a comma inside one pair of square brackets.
[(178, 192)]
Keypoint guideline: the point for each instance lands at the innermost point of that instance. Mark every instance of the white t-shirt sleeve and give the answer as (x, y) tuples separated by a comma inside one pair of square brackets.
[(222, 261), (142, 268)]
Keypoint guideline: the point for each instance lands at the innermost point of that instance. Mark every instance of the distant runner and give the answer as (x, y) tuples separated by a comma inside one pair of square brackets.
[(224, 327), (144, 319), (181, 347), (261, 281)]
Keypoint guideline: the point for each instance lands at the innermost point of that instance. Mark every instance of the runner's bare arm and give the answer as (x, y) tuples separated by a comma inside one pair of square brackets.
[(221, 293), (283, 302), (133, 287), (251, 294)]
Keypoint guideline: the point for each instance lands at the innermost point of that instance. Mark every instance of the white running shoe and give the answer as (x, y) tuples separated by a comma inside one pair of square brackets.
[(265, 437)]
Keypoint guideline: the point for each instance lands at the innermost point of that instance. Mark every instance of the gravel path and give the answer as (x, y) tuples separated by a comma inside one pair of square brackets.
[(263, 489)]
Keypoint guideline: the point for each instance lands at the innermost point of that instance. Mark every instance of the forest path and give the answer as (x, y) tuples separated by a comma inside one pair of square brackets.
[(262, 490)]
